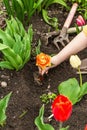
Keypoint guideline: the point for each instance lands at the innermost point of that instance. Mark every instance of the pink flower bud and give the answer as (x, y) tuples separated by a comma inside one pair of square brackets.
[(80, 21)]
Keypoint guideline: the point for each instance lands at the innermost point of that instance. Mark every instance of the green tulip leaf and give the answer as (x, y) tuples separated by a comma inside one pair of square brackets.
[(71, 89), (3, 106), (83, 90), (65, 128), (39, 121)]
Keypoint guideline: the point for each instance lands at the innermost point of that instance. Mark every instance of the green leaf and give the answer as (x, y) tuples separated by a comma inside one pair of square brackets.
[(65, 128), (6, 38), (3, 106), (26, 51), (61, 2), (21, 30), (38, 48), (28, 5), (8, 6), (51, 21), (27, 40), (20, 3), (16, 44), (14, 26), (71, 89), (18, 8), (14, 59), (39, 121), (6, 64), (9, 28), (36, 5), (83, 90)]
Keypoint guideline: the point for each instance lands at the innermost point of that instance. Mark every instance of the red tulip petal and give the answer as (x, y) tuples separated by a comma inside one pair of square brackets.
[(61, 108)]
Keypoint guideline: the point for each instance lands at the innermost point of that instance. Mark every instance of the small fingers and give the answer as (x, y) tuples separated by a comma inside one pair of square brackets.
[(44, 72)]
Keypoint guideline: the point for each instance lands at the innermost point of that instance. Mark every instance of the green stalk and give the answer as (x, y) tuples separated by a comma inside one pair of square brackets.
[(80, 76), (60, 125)]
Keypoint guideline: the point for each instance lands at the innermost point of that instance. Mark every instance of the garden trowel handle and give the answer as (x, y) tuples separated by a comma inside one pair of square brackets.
[(70, 15)]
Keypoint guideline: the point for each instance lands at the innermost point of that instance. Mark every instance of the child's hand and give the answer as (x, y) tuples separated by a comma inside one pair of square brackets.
[(45, 71)]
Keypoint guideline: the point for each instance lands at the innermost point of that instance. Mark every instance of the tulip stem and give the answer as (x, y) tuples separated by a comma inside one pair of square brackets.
[(80, 75), (60, 125)]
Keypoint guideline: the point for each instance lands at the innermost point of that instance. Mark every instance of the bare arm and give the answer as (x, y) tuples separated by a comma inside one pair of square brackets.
[(75, 46)]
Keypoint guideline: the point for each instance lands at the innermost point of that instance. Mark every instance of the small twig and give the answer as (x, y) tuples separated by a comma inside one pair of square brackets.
[(23, 114), (82, 72)]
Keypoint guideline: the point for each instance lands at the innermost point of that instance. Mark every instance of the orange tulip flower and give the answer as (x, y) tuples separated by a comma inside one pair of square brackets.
[(43, 60)]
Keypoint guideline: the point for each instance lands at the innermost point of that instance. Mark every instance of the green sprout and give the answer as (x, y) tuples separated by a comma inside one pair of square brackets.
[(46, 98)]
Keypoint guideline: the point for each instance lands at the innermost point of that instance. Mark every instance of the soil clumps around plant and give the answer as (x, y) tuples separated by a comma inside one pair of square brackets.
[(26, 92)]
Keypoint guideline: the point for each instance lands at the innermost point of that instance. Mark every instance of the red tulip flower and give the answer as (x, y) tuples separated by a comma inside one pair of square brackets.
[(85, 127), (80, 21), (61, 108)]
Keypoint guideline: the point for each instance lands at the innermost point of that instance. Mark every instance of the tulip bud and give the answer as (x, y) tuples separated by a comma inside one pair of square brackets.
[(75, 61), (80, 21)]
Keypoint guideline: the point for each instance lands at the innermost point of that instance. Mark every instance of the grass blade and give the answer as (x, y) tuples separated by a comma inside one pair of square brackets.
[(8, 7), (18, 8)]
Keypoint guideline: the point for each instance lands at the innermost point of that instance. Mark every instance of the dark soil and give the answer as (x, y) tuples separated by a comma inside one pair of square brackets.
[(26, 92)]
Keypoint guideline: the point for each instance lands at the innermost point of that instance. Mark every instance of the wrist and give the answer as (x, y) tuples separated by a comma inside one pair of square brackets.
[(54, 61)]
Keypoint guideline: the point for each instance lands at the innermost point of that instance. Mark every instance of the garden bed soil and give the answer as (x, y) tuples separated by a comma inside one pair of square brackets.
[(26, 91)]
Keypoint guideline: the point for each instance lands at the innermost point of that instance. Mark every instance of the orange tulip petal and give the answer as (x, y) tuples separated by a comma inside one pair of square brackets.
[(43, 60)]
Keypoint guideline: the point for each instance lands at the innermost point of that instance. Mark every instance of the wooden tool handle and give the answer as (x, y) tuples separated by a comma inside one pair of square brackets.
[(70, 15)]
